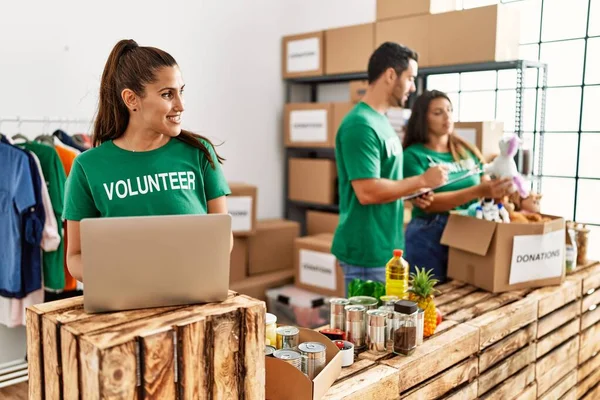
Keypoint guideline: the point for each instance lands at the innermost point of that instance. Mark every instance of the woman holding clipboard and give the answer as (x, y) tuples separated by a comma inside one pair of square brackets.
[(430, 141)]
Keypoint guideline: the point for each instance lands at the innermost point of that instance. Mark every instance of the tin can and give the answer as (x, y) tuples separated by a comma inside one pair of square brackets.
[(388, 300), (355, 325), (337, 318), (270, 350), (376, 330), (290, 356), (287, 337), (370, 303), (420, 326), (313, 358)]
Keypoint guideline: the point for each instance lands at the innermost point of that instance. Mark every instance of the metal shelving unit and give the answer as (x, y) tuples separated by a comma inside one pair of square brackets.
[(296, 210)]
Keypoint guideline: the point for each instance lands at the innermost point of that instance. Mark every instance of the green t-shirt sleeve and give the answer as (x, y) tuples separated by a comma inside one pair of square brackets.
[(215, 184), (412, 165), (361, 152), (79, 203)]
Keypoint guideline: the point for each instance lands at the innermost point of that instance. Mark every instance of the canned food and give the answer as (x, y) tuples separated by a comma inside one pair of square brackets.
[(290, 356), (313, 358), (376, 332), (337, 313), (270, 350), (356, 326), (287, 337)]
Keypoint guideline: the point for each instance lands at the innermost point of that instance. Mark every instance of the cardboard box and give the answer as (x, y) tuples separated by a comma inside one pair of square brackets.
[(242, 207), (484, 134), (500, 257), (316, 269), (413, 32), (239, 260), (303, 55), (476, 35), (272, 246), (358, 90), (349, 48), (321, 222), (257, 286), (284, 381), (387, 9), (312, 180), (313, 124)]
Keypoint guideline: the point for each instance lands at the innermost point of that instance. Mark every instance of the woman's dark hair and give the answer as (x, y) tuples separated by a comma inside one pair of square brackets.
[(130, 66), (389, 55), (417, 130)]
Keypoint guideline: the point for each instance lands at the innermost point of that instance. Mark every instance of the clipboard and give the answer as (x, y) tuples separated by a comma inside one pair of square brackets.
[(465, 176)]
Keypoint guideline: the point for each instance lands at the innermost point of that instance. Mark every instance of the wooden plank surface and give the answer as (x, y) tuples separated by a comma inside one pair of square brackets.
[(588, 383), (530, 393), (490, 304), (225, 352), (496, 375), (555, 338), (552, 298), (513, 386), (445, 382), (450, 286), (377, 383), (454, 294), (558, 318), (69, 365), (561, 388), (570, 395), (58, 305), (35, 361), (357, 367), (588, 367), (465, 301), (375, 356), (590, 344), (500, 323), (193, 362), (591, 278), (555, 365), (505, 347), (51, 350), (253, 350), (593, 394), (435, 355), (590, 300), (590, 317), (157, 351), (443, 327), (465, 392)]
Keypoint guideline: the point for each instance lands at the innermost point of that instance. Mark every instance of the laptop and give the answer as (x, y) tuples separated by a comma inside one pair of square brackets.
[(140, 262)]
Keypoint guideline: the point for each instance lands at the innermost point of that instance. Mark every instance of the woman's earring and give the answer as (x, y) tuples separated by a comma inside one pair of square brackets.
[(135, 109)]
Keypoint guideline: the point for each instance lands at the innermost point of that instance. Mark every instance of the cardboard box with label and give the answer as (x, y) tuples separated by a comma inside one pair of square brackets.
[(316, 269), (241, 204), (348, 49), (413, 32), (387, 9), (480, 34), (239, 260), (284, 381), (321, 222), (358, 90), (313, 124), (484, 134), (312, 180), (257, 286), (303, 55), (500, 257), (271, 248)]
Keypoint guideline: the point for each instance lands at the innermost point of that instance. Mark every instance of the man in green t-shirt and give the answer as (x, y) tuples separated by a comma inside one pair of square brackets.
[(369, 163)]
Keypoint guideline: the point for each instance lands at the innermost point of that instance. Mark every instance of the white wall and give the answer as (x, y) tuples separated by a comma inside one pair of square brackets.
[(52, 54)]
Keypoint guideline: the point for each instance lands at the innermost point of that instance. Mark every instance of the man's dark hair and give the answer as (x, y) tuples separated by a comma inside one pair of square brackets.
[(390, 55)]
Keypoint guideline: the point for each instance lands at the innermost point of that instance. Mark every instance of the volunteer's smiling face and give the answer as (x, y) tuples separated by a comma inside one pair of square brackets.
[(162, 104), (439, 117), (404, 85)]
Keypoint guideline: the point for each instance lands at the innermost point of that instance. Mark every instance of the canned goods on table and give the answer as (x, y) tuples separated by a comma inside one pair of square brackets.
[(356, 326), (313, 358), (290, 356), (270, 350), (287, 337), (376, 339), (337, 313)]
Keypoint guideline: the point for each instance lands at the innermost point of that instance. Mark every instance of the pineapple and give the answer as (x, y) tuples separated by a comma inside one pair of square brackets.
[(422, 292)]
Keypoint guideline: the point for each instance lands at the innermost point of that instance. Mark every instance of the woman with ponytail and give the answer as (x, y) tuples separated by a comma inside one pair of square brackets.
[(430, 141), (142, 163)]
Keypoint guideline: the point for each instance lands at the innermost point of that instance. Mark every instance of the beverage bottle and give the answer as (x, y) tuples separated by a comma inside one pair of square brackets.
[(396, 276)]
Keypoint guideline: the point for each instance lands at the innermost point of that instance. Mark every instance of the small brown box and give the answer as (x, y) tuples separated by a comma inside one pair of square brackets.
[(241, 204), (358, 90), (316, 269), (272, 247), (476, 35), (413, 32), (303, 55), (387, 9), (321, 222), (257, 286), (485, 135), (239, 260), (313, 124), (312, 180), (349, 48)]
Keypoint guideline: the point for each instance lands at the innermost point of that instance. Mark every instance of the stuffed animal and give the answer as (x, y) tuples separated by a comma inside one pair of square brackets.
[(504, 166), (491, 211), (526, 210)]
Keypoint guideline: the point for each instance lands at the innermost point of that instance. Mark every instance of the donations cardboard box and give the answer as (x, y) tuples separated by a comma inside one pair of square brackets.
[(257, 286), (316, 269), (242, 208), (239, 260), (413, 32), (272, 246), (321, 222), (387, 9), (349, 48), (313, 124), (284, 381), (312, 180), (500, 257), (303, 55)]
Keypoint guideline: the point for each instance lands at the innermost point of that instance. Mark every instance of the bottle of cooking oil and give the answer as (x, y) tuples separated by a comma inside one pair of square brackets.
[(396, 276)]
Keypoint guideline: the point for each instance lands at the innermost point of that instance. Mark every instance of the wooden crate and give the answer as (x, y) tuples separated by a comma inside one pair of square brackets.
[(213, 350), (555, 365)]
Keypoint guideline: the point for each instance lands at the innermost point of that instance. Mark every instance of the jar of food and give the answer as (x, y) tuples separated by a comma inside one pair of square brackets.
[(338, 313), (405, 333), (271, 329)]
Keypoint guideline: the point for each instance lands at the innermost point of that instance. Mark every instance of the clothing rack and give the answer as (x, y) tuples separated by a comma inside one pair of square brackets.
[(19, 120)]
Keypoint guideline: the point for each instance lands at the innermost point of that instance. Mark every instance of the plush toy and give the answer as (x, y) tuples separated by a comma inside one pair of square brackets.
[(491, 211), (503, 166), (525, 210)]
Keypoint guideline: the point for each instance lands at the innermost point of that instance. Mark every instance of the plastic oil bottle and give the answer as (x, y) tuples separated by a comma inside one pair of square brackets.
[(396, 276)]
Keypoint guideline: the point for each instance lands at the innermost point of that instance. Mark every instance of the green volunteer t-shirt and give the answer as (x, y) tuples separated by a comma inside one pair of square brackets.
[(367, 147), (108, 181), (418, 158)]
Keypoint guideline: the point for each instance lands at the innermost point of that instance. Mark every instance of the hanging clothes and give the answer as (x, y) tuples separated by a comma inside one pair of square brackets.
[(83, 140), (54, 173), (66, 139)]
